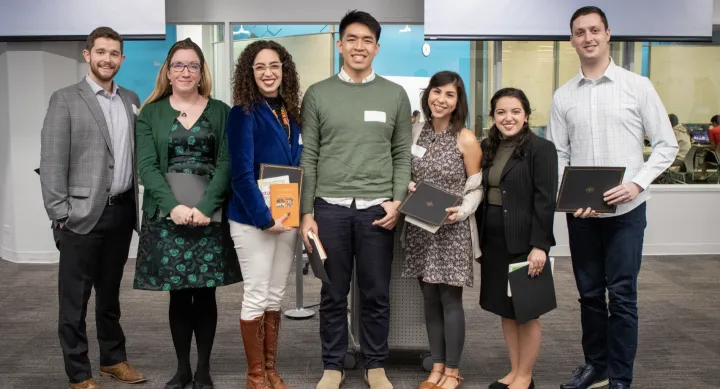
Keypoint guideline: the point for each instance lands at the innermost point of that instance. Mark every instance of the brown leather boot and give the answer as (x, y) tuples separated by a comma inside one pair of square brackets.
[(272, 329), (253, 334)]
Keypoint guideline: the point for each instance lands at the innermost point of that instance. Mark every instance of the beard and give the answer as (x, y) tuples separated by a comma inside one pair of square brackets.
[(95, 69)]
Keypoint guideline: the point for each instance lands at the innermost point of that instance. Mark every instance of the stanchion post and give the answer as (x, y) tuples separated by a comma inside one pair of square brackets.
[(300, 312)]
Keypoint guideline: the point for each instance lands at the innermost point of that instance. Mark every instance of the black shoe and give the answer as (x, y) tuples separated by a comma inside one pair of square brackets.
[(619, 385), (586, 377), (178, 385), (498, 385), (198, 385)]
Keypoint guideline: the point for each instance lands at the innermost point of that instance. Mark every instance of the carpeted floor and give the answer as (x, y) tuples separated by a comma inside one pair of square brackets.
[(679, 333)]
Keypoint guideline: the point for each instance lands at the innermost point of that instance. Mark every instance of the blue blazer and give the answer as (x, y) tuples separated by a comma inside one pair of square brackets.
[(254, 138)]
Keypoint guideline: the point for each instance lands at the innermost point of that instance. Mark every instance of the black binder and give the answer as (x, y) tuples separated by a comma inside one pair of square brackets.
[(428, 204), (532, 297), (583, 187)]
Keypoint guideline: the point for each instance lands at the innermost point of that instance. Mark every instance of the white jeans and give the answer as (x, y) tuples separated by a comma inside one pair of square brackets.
[(265, 260)]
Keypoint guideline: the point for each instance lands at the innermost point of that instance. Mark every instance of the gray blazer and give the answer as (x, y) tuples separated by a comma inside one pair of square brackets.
[(76, 156)]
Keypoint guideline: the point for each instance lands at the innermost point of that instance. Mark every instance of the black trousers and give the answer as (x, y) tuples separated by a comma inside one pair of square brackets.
[(348, 235), (96, 259)]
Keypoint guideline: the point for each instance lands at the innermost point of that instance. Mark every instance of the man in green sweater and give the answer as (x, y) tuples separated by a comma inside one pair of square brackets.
[(356, 155)]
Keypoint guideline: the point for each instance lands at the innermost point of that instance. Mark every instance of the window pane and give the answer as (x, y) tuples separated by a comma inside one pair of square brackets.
[(530, 66)]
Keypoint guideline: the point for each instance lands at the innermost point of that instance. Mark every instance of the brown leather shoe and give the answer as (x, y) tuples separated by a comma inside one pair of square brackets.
[(123, 372), (88, 384), (272, 329), (253, 334)]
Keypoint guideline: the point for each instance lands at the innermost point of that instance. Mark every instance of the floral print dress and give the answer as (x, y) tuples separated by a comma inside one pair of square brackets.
[(173, 257), (446, 256)]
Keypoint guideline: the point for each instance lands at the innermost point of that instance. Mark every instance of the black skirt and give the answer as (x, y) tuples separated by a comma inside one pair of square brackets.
[(494, 265)]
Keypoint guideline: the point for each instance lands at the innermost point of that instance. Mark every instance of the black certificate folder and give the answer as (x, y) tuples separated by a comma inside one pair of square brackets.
[(584, 186), (532, 296), (428, 204)]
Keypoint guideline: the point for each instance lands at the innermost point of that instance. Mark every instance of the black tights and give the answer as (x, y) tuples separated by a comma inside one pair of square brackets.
[(445, 321), (193, 310)]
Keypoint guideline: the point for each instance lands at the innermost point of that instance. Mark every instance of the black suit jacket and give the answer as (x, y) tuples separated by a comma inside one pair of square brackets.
[(529, 190)]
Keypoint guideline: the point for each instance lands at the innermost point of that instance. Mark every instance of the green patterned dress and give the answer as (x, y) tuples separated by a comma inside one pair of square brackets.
[(174, 257)]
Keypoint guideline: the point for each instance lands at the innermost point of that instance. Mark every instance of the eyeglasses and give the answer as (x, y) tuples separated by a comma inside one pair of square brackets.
[(179, 67), (274, 67)]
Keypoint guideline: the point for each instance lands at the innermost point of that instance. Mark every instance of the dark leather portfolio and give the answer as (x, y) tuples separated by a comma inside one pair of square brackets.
[(428, 203), (583, 187), (189, 190), (271, 171), (532, 296)]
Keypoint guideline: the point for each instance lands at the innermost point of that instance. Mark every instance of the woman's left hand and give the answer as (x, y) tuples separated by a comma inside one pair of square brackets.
[(198, 219), (537, 259), (452, 217)]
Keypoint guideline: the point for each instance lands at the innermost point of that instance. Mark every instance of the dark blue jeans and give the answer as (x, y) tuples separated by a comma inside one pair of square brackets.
[(606, 255), (348, 236)]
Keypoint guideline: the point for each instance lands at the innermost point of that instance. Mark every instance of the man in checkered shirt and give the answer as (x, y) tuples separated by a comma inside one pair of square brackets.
[(600, 118)]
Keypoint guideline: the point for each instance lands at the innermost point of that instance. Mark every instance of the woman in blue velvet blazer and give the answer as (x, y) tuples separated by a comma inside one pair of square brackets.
[(263, 127)]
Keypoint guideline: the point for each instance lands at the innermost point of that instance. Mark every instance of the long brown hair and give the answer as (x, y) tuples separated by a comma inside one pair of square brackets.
[(246, 92), (460, 114), (163, 88)]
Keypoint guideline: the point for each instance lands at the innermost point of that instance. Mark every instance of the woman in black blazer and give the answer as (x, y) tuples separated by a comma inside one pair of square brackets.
[(520, 180)]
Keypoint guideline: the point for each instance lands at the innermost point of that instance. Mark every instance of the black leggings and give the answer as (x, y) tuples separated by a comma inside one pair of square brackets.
[(445, 321), (193, 310)]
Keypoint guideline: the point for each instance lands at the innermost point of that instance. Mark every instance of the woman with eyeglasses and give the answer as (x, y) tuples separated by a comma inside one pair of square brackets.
[(181, 129), (263, 128)]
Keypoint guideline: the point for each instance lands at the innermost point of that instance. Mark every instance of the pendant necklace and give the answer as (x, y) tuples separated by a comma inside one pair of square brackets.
[(182, 113)]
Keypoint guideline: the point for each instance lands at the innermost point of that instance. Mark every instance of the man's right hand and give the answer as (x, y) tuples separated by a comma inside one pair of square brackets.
[(180, 214), (308, 224), (584, 214)]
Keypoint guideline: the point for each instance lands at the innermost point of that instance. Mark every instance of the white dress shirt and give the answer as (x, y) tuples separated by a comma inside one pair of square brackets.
[(347, 201), (603, 122)]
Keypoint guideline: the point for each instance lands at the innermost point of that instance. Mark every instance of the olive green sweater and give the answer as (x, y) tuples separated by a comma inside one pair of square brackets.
[(356, 140)]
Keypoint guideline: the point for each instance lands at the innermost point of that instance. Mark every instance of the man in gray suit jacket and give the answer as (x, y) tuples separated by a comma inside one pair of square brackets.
[(89, 187)]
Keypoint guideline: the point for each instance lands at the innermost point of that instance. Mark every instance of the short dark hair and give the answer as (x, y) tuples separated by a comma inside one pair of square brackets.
[(416, 112), (673, 119), (361, 17), (460, 114), (103, 32), (715, 119), (589, 10)]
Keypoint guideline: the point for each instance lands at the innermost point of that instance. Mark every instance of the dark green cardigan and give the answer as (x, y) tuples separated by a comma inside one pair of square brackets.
[(152, 130)]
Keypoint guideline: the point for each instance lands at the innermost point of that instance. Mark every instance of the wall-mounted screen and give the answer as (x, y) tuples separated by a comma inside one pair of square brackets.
[(636, 20), (26, 20)]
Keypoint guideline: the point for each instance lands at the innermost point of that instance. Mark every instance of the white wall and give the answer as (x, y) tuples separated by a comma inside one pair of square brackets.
[(289, 11), (6, 239), (716, 12), (682, 219), (29, 74)]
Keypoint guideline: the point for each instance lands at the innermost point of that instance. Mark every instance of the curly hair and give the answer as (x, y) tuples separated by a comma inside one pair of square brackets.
[(245, 90)]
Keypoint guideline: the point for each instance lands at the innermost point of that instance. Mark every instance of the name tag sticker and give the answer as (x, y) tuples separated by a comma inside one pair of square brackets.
[(375, 116), (418, 151), (300, 139), (135, 109)]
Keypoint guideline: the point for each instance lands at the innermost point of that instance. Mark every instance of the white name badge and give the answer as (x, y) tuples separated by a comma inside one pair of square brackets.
[(375, 116), (418, 151), (300, 139)]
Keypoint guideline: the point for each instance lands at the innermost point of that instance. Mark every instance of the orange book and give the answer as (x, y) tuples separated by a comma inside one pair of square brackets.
[(284, 199)]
